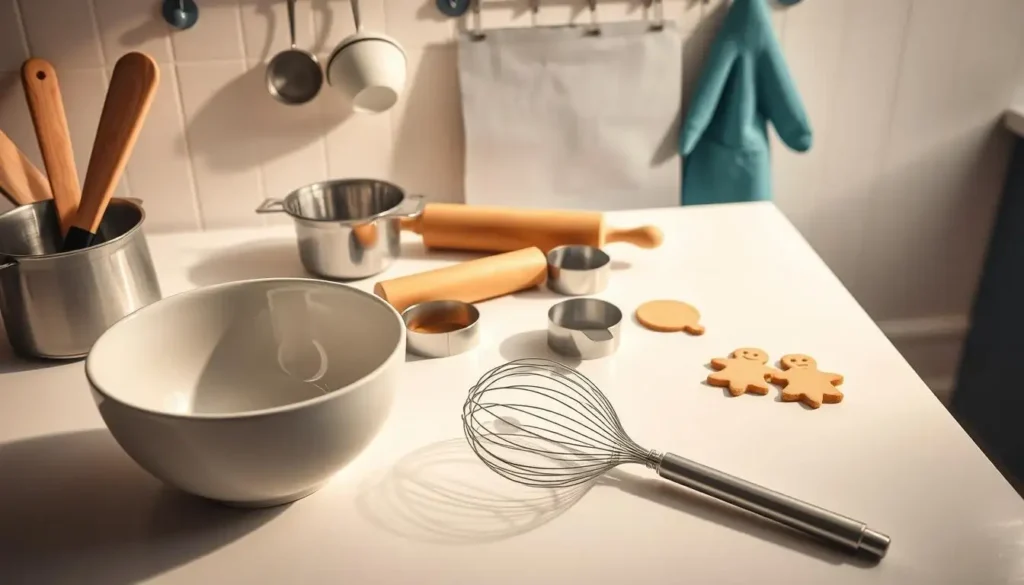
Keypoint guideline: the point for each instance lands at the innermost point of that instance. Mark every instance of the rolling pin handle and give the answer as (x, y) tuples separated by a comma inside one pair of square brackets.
[(647, 236)]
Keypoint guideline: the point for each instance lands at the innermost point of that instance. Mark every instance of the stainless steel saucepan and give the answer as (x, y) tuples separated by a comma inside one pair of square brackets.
[(56, 304), (347, 229)]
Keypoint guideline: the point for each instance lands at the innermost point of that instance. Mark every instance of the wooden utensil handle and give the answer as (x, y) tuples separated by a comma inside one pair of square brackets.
[(132, 87), (42, 91), (21, 182), (469, 282)]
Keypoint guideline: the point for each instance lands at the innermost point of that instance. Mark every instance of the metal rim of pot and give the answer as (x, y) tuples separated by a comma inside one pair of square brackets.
[(275, 205), (10, 260)]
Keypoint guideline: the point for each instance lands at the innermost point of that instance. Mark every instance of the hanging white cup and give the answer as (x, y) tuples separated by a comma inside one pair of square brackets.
[(368, 68)]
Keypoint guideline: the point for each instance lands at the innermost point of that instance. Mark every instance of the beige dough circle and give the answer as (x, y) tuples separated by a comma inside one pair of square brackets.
[(668, 316)]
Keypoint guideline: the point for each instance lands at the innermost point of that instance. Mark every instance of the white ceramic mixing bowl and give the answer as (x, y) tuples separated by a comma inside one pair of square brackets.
[(252, 393)]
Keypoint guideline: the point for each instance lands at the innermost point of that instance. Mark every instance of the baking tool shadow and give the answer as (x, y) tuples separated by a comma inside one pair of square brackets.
[(415, 250), (443, 494), (241, 126), (273, 259), (533, 344), (72, 503), (11, 362), (540, 292)]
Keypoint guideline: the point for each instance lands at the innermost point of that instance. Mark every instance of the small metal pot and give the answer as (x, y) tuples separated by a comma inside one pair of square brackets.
[(347, 229), (56, 305), (584, 328)]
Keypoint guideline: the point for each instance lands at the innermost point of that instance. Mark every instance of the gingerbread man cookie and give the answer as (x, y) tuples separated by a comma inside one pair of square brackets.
[(802, 381), (668, 316), (743, 371)]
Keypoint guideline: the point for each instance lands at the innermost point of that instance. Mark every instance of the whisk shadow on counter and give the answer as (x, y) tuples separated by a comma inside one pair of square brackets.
[(443, 494)]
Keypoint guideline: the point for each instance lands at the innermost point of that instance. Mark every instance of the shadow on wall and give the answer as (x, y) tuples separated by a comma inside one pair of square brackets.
[(72, 503), (242, 126), (152, 26), (428, 155)]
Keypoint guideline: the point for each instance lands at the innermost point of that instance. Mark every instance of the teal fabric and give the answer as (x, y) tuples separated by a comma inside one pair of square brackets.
[(745, 83)]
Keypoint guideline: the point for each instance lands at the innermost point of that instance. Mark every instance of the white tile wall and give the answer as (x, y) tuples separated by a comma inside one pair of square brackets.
[(215, 143), (905, 96)]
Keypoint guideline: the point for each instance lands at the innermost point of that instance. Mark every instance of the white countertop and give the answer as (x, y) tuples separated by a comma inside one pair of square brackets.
[(416, 507)]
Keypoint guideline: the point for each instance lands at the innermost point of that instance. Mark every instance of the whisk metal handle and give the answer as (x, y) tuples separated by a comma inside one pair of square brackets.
[(846, 532)]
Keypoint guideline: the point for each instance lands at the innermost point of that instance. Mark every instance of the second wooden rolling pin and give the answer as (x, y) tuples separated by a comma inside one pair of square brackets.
[(469, 282), (500, 229)]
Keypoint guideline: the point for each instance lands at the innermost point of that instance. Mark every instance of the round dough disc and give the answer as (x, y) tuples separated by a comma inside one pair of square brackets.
[(667, 316)]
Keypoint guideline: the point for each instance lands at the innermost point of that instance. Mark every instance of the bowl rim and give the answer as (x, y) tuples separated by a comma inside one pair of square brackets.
[(397, 353)]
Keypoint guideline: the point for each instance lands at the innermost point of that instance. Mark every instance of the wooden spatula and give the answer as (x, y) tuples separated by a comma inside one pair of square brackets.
[(132, 87), (46, 107), (21, 182)]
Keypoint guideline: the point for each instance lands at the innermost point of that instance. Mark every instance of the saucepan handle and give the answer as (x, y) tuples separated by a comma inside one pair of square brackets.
[(845, 532), (271, 205), (411, 207)]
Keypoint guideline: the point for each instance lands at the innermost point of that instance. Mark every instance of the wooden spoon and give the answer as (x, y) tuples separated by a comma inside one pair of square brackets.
[(42, 92), (132, 87), (21, 182)]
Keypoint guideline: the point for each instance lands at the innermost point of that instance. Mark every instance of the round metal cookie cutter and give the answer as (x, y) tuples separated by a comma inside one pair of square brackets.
[(584, 328), (441, 328), (578, 270)]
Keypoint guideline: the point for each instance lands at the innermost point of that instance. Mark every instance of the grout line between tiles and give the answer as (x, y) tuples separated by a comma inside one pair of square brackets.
[(21, 27), (311, 22), (179, 106), (261, 186), (95, 22)]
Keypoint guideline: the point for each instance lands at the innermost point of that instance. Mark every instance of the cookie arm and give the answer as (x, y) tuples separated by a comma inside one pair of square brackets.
[(695, 329), (779, 377), (719, 363), (834, 379), (770, 373)]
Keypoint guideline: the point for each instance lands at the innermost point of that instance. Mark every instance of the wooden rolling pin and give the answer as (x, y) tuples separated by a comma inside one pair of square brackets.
[(469, 282), (500, 229)]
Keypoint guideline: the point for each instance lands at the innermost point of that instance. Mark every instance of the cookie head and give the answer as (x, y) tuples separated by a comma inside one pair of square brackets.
[(798, 360), (751, 353)]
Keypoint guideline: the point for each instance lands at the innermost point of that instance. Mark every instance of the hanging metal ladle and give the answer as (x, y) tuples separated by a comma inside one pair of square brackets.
[(294, 76)]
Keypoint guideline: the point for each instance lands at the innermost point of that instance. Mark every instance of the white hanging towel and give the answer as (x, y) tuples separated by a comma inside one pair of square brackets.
[(558, 119)]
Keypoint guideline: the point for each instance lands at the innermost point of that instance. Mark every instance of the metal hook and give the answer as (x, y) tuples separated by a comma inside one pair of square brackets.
[(181, 14), (594, 29), (477, 33), (658, 9)]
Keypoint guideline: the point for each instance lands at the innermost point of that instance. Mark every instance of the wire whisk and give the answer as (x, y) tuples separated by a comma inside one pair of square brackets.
[(543, 424)]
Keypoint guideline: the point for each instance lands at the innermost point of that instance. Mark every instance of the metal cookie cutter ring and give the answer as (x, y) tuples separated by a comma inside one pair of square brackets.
[(584, 328), (578, 270), (441, 328)]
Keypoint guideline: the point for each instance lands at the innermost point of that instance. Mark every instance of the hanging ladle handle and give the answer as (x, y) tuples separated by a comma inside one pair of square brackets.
[(291, 21), (355, 16)]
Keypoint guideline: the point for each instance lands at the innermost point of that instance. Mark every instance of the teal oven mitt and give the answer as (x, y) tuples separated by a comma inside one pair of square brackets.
[(744, 84)]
